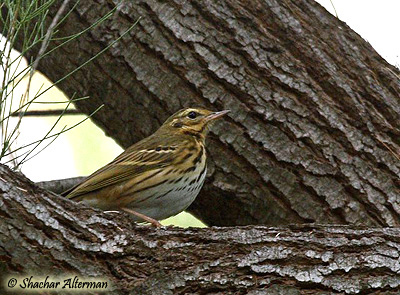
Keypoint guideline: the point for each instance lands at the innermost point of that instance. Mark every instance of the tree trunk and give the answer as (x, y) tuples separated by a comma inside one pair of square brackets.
[(314, 131), (42, 234)]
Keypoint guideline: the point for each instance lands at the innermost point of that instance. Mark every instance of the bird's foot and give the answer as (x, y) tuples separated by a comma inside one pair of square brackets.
[(152, 221)]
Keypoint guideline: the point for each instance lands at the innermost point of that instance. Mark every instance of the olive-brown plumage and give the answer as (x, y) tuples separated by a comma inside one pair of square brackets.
[(159, 176)]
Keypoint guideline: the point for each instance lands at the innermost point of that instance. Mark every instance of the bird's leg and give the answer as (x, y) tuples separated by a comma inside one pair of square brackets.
[(153, 222)]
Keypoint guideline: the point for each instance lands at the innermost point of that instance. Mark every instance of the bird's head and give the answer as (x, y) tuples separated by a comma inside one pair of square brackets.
[(193, 121)]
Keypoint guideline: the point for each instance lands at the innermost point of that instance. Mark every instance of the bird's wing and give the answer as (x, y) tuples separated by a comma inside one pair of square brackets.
[(126, 166)]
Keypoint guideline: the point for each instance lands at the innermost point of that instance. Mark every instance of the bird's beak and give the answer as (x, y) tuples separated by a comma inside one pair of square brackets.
[(216, 115)]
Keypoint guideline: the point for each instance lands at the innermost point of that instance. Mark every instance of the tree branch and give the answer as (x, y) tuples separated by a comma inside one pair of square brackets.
[(41, 113), (45, 234), (313, 131), (60, 185)]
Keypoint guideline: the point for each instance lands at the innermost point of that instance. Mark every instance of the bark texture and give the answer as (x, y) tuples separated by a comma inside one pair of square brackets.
[(314, 131), (44, 234)]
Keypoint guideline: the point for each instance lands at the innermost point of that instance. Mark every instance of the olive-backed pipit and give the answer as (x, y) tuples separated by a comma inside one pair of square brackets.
[(159, 176)]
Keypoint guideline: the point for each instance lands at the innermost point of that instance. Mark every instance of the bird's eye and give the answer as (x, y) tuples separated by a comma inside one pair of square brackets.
[(192, 115)]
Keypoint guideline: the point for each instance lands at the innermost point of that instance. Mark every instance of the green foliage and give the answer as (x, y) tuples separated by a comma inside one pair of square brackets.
[(26, 23)]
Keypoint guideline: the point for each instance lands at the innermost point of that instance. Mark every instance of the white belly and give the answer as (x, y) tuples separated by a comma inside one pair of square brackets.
[(172, 198)]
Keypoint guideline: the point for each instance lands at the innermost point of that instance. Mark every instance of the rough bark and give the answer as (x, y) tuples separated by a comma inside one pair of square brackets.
[(44, 234), (314, 128)]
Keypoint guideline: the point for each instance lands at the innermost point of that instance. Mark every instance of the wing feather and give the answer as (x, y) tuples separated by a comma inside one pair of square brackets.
[(127, 166)]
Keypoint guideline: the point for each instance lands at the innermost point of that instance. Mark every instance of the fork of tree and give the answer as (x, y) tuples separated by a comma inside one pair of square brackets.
[(312, 139)]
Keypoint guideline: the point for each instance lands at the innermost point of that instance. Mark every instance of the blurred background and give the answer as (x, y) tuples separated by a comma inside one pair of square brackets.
[(85, 148)]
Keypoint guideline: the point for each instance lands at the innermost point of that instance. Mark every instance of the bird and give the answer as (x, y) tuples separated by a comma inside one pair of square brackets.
[(157, 177)]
